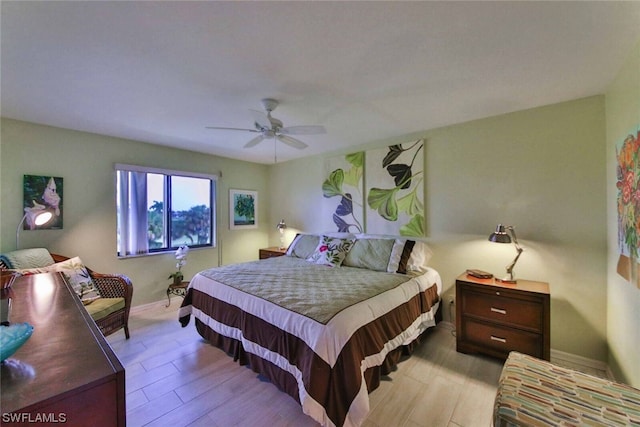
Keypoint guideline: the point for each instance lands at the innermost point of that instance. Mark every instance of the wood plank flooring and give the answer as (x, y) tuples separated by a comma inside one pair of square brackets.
[(174, 379)]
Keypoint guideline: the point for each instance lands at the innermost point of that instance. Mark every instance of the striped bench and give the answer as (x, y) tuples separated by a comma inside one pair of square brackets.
[(534, 392)]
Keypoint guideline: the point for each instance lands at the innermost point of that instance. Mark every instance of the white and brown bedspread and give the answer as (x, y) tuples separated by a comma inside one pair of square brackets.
[(321, 334)]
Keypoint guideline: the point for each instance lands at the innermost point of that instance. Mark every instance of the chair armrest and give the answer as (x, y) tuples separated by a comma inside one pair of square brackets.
[(113, 286)]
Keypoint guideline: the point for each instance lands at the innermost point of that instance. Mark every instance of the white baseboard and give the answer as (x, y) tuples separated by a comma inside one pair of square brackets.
[(150, 306), (447, 324), (581, 361)]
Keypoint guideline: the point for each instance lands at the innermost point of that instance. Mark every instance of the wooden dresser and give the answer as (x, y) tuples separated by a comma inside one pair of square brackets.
[(271, 252), (66, 373), (495, 318)]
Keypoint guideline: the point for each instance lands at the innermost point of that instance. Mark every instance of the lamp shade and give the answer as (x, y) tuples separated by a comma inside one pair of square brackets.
[(42, 218), (507, 235), (37, 217), (500, 235)]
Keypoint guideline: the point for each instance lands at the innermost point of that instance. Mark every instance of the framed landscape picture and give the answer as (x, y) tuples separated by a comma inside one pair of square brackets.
[(243, 209)]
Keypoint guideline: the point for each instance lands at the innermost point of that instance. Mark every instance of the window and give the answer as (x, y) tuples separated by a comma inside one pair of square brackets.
[(160, 210)]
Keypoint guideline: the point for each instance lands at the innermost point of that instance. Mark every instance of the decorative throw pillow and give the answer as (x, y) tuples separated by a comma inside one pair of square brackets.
[(76, 274), (372, 254), (409, 256), (303, 245), (331, 251)]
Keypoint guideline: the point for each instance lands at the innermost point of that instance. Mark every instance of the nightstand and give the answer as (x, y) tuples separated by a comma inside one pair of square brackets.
[(495, 318), (271, 252)]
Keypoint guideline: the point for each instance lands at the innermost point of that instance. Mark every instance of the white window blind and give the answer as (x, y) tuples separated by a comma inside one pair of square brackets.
[(159, 209)]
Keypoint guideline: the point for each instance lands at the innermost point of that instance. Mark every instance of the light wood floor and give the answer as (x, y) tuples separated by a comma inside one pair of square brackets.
[(174, 378)]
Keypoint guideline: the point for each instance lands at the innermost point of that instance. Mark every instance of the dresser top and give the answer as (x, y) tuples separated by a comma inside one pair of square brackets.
[(65, 352)]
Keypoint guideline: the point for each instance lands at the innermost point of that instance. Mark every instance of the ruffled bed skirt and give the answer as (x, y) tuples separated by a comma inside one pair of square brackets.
[(284, 380)]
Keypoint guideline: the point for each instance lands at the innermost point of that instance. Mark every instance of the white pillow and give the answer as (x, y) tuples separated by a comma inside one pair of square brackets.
[(331, 251), (409, 256)]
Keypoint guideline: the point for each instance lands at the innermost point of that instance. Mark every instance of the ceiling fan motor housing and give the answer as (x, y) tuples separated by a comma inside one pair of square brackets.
[(275, 123), (269, 104)]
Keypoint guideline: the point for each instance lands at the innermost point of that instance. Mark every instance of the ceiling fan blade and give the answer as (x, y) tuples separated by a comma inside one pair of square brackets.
[(303, 130), (261, 119), (223, 128), (296, 143), (255, 141)]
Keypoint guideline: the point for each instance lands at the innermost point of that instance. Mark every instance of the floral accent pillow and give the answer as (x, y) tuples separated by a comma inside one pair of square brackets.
[(331, 251), (76, 274)]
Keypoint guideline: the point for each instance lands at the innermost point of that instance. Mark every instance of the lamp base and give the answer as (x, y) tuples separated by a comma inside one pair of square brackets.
[(507, 281)]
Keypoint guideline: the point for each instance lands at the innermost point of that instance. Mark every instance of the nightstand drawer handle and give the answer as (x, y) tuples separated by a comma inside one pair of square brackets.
[(498, 310), (502, 340)]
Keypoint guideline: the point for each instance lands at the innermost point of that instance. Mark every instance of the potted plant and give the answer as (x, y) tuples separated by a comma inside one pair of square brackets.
[(181, 256)]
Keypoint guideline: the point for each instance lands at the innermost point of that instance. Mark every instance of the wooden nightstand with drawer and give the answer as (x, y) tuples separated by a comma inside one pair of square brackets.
[(495, 318), (271, 252)]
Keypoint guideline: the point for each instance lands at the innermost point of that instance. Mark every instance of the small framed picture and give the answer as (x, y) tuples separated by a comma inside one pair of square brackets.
[(243, 209)]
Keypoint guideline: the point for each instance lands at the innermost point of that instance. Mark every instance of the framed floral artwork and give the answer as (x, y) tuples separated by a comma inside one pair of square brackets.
[(628, 206), (243, 209)]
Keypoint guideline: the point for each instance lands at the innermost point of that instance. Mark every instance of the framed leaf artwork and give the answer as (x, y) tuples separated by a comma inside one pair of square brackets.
[(343, 208), (394, 177)]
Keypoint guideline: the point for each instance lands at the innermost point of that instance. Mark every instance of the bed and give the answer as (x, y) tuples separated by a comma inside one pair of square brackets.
[(322, 335)]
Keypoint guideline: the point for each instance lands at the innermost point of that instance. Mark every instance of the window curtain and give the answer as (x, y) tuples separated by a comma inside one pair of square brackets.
[(132, 213)]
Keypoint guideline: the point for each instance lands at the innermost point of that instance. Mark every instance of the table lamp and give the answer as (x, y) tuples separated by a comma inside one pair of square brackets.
[(281, 227), (507, 235)]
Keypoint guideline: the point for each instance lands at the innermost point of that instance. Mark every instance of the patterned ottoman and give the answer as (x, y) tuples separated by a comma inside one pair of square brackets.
[(534, 392)]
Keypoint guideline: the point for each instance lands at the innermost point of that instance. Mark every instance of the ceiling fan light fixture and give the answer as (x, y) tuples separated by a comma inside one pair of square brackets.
[(272, 128)]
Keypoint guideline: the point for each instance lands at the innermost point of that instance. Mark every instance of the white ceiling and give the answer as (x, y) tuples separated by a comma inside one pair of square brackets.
[(161, 71)]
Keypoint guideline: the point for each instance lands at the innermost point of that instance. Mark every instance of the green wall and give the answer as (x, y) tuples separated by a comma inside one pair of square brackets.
[(86, 163), (623, 297), (542, 170)]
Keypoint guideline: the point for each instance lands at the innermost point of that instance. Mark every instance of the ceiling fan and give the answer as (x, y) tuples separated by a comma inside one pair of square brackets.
[(269, 127)]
